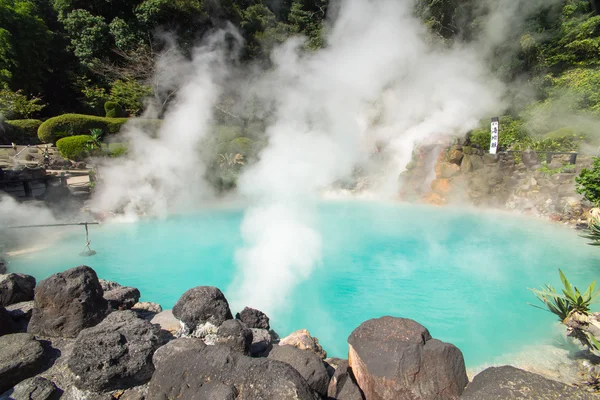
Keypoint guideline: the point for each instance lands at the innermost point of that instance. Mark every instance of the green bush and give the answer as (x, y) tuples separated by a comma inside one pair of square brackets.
[(511, 132), (74, 147), (113, 109), (76, 124), (21, 131), (116, 150), (588, 183)]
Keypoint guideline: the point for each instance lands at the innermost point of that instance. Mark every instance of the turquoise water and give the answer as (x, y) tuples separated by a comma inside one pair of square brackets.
[(463, 275)]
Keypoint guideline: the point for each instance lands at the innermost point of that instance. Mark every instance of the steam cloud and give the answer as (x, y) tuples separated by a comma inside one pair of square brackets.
[(380, 79)]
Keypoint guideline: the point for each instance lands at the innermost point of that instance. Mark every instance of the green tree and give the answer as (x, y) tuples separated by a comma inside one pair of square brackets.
[(17, 105), (588, 183)]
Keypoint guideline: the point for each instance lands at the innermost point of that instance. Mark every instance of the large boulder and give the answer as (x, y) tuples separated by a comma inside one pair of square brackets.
[(253, 318), (67, 302), (218, 372), (304, 341), (122, 298), (396, 358), (21, 357), (176, 348), (201, 305), (15, 288), (499, 383), (342, 385), (7, 325), (36, 388), (234, 334), (306, 362), (115, 354)]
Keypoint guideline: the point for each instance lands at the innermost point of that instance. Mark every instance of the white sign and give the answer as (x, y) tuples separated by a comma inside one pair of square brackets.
[(494, 141)]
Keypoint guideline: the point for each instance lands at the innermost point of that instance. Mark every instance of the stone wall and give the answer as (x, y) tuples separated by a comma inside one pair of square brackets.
[(468, 175)]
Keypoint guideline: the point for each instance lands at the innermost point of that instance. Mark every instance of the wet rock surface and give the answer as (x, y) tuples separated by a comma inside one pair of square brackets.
[(21, 357), (36, 388), (67, 302), (253, 318), (502, 383), (15, 288), (396, 358), (218, 372), (200, 305), (115, 354), (307, 363)]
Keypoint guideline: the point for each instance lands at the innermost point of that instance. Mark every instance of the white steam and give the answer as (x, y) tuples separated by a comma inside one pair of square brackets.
[(380, 79)]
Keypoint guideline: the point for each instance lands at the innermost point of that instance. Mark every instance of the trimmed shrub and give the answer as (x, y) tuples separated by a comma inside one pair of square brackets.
[(76, 124), (113, 110), (74, 147), (116, 150), (20, 131)]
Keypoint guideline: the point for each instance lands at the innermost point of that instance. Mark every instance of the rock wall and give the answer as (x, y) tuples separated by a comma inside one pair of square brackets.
[(513, 181)]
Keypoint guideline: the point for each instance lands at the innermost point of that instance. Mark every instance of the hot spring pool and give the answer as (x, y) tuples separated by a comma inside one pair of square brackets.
[(463, 275)]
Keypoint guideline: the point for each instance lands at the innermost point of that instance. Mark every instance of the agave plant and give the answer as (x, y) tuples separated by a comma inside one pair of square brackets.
[(571, 300), (593, 231)]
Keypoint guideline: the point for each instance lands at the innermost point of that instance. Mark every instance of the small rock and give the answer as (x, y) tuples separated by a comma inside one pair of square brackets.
[(21, 314), (115, 354), (15, 288), (396, 358), (200, 305), (220, 373), (302, 340), (253, 318), (122, 298), (108, 285), (67, 302), (234, 334), (499, 383), (21, 357), (261, 340), (306, 362), (36, 388), (167, 322), (7, 325), (147, 310), (342, 385)]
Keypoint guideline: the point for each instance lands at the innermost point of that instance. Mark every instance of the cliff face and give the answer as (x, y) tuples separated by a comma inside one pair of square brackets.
[(464, 174)]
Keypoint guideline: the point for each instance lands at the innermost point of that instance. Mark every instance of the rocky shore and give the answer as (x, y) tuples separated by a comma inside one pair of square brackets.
[(74, 336)]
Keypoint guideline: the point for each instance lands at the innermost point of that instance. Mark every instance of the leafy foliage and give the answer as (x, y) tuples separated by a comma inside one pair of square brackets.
[(113, 109), (16, 104), (130, 94), (588, 183), (21, 131), (74, 147), (593, 232), (76, 124)]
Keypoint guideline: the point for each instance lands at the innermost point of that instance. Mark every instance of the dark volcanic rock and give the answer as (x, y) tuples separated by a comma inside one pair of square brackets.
[(253, 318), (122, 298), (15, 288), (234, 334), (218, 372), (306, 362), (3, 266), (115, 354), (7, 325), (396, 358), (21, 357), (200, 305), (68, 302), (36, 388), (261, 340), (108, 285), (342, 385), (21, 314), (499, 383), (176, 347)]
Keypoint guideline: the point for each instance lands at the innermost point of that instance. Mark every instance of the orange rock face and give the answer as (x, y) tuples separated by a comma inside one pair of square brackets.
[(433, 199), (441, 186)]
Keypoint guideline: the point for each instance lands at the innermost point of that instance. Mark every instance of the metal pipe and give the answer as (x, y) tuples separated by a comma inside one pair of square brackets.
[(51, 225)]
